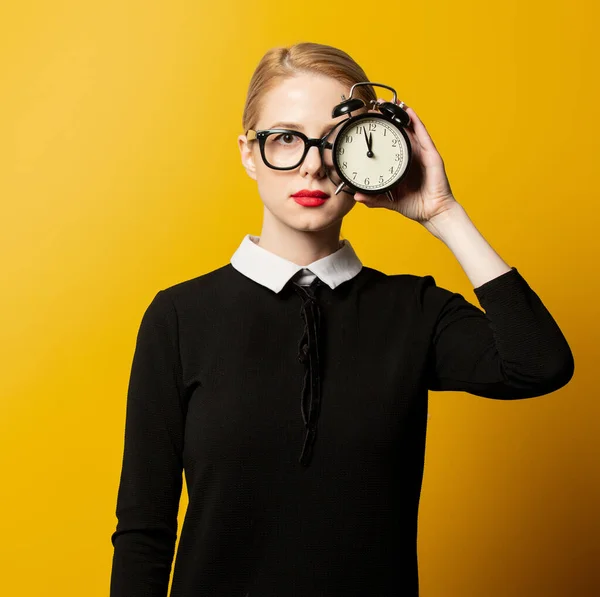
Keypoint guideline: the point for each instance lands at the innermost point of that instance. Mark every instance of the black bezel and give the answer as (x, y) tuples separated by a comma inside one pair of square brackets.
[(348, 124)]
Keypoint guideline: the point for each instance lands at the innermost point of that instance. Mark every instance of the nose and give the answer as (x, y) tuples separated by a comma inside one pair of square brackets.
[(313, 164)]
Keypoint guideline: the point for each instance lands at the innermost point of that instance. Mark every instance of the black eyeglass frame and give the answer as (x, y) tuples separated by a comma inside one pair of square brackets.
[(322, 144)]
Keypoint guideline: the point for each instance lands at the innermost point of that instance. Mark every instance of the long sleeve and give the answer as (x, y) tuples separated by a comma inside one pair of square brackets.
[(514, 349), (151, 476)]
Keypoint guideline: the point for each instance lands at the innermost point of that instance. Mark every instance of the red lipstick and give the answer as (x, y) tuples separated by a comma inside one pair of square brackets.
[(310, 198)]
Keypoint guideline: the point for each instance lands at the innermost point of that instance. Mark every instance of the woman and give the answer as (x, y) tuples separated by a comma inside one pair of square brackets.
[(291, 384)]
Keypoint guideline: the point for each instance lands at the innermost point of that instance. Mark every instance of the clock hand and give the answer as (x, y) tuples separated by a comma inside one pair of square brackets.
[(366, 138), (369, 152)]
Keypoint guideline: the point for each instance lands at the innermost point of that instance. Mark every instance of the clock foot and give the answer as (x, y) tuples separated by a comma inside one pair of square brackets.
[(340, 187)]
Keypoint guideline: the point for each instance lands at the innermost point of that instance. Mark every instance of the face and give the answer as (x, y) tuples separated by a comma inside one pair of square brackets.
[(302, 103)]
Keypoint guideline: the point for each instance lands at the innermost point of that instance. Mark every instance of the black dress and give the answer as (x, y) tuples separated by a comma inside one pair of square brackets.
[(300, 420)]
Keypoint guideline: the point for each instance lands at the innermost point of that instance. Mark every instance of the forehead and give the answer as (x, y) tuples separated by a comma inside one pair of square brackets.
[(305, 99)]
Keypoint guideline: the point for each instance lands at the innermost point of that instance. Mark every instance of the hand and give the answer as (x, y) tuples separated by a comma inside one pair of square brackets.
[(369, 141), (425, 190)]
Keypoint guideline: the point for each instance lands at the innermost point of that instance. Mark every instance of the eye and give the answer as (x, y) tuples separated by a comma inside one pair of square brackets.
[(286, 138)]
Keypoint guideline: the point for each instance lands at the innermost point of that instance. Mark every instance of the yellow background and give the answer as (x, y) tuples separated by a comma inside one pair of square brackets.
[(120, 175)]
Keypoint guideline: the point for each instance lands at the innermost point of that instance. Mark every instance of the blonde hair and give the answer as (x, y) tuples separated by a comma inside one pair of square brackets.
[(306, 57)]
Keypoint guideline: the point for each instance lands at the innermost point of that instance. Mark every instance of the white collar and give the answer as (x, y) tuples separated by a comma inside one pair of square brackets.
[(274, 271)]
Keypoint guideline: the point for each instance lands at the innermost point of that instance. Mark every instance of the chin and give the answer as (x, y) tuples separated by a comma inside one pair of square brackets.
[(316, 220), (312, 227), (309, 219)]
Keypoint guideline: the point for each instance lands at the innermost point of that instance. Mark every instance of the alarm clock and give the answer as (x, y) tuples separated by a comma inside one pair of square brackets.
[(371, 152)]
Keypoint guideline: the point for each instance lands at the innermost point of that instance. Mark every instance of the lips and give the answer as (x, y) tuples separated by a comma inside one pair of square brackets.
[(307, 193)]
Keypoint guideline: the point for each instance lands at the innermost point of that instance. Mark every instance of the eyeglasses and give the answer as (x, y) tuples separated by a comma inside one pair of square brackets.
[(285, 149)]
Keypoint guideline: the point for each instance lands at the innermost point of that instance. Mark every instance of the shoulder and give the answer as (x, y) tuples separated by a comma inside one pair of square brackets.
[(377, 279), (211, 285), (193, 293), (212, 279), (420, 292)]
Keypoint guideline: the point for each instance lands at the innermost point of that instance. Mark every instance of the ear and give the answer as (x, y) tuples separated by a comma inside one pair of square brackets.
[(247, 156)]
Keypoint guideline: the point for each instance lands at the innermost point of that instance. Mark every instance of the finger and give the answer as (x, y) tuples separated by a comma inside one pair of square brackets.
[(380, 200), (423, 136)]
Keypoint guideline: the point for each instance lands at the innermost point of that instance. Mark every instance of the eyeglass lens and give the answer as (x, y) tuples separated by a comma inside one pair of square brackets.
[(285, 150)]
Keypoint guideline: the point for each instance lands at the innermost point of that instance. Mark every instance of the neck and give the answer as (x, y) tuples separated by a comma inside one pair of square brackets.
[(298, 246)]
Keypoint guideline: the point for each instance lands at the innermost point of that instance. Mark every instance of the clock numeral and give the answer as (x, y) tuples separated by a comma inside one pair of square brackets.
[(384, 132), (372, 126), (394, 142), (367, 181), (348, 138), (342, 151), (397, 157), (354, 175), (359, 130), (344, 165), (392, 169), (380, 179)]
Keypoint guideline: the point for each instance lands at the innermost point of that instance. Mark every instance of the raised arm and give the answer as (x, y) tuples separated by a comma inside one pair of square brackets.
[(512, 349)]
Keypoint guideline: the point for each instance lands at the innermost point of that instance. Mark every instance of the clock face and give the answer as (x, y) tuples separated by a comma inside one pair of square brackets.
[(371, 153)]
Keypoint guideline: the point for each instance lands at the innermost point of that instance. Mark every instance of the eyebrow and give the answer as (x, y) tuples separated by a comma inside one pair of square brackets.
[(298, 127)]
